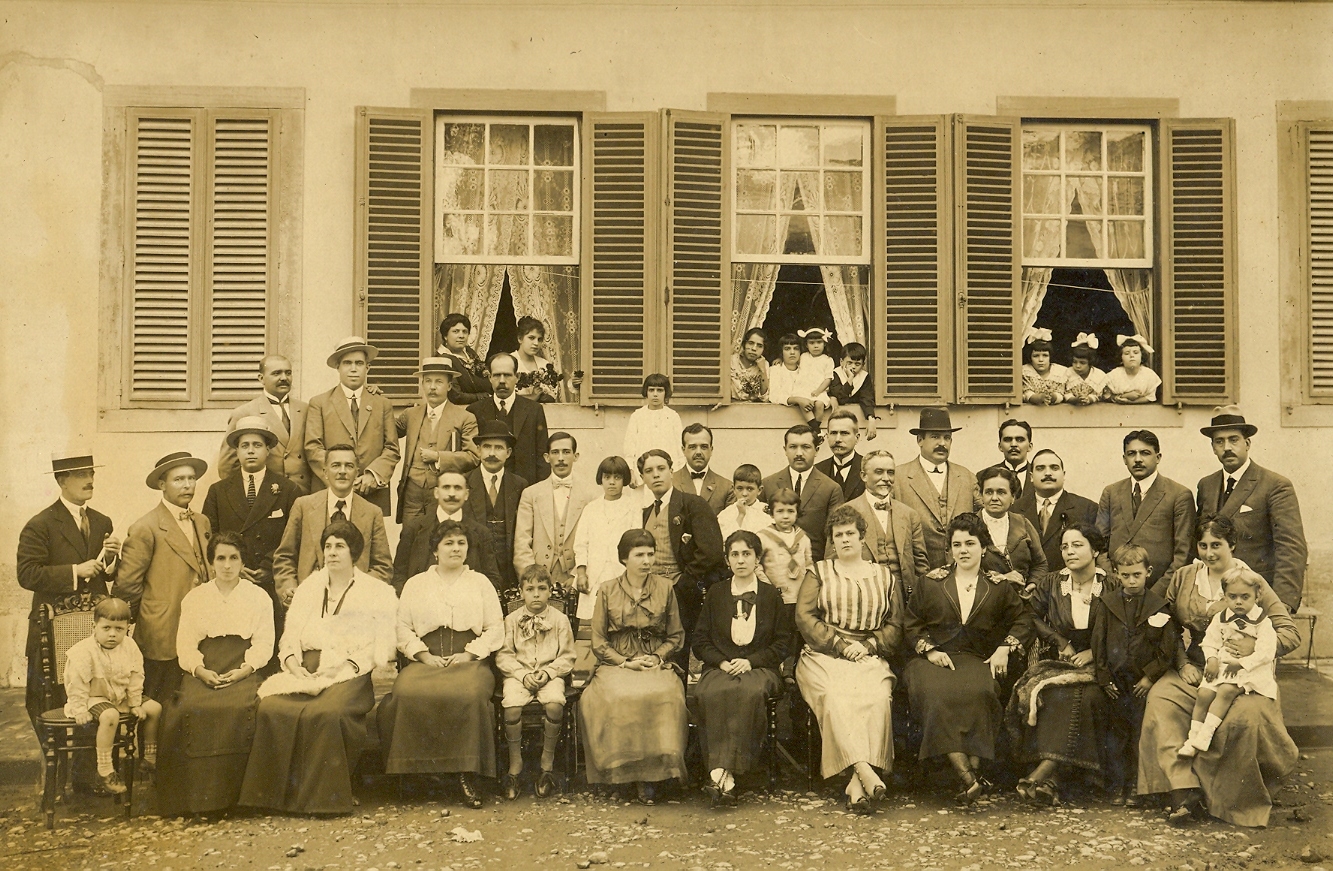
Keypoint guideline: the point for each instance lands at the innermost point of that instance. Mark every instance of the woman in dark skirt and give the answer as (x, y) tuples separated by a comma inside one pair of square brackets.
[(963, 623), (225, 638), (1056, 711), (439, 718), (311, 726), (742, 637)]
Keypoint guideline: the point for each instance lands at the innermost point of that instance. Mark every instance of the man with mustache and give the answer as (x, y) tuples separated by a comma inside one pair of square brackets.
[(818, 493), (1148, 509), (1262, 504), (285, 416), (1015, 445), (1050, 508), (936, 489)]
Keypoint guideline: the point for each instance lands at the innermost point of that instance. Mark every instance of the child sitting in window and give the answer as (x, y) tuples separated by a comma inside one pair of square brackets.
[(746, 512), (1132, 382), (791, 382), (1085, 383), (852, 387), (654, 425), (1043, 381)]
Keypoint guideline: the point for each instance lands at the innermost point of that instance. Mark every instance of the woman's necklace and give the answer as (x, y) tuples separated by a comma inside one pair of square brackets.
[(1085, 592), (971, 585)]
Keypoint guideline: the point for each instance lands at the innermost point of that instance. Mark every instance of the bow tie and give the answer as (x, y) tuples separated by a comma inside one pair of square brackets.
[(186, 514), (744, 604), (531, 625), (698, 475), (881, 506), (566, 483), (1240, 620), (936, 470)]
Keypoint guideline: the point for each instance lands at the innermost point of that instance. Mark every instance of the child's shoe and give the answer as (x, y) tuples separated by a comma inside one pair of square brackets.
[(113, 784), (545, 784)]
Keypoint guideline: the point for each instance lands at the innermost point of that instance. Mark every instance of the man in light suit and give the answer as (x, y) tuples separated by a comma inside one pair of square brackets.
[(842, 431), (493, 494), (1050, 508), (1148, 509), (164, 557), (524, 418), (548, 513), (438, 437), (1262, 504), (818, 493), (450, 503), (697, 476), (299, 552), (285, 417), (349, 414), (936, 489), (893, 531)]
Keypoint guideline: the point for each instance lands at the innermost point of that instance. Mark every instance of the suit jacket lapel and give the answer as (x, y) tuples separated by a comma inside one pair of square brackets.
[(264, 498), (367, 407), (71, 530), (950, 587), (1152, 603), (343, 410), (1244, 487), (274, 419), (1155, 494), (175, 537), (416, 418), (926, 492), (1115, 603), (983, 591)]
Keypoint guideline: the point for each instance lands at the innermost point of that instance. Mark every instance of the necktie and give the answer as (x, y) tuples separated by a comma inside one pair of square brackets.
[(1226, 494), (652, 511), (881, 506), (282, 410), (493, 491), (1045, 514), (840, 472), (356, 413), (504, 406), (1136, 499), (797, 488), (83, 524), (338, 513), (186, 514), (250, 488), (1239, 619)]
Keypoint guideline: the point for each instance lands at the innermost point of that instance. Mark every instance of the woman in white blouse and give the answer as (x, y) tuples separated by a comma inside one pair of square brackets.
[(439, 717), (600, 526), (225, 638)]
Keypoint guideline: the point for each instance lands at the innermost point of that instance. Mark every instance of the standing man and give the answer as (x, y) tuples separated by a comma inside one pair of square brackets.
[(67, 548), (936, 489), (349, 414), (549, 511), (523, 417), (696, 476), (415, 554), (1148, 509), (493, 494), (842, 431), (285, 417), (299, 552), (819, 494), (164, 557), (438, 438), (1015, 445), (893, 531), (1262, 504), (1050, 508)]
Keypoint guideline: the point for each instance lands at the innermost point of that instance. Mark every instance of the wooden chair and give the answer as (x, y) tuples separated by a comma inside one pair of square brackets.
[(62, 625)]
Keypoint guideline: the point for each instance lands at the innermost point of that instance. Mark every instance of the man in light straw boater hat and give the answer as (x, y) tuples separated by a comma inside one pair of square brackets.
[(438, 438), (163, 559)]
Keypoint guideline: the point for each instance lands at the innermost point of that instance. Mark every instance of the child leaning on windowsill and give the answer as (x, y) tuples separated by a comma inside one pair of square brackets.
[(1132, 382), (1085, 383), (852, 387), (1043, 381)]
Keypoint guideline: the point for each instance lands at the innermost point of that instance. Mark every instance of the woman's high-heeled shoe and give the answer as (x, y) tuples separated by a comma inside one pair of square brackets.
[(972, 792), (1026, 789), (1047, 792)]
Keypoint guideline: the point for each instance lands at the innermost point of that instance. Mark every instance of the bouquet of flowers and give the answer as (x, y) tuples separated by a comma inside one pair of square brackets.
[(752, 387), (546, 380)]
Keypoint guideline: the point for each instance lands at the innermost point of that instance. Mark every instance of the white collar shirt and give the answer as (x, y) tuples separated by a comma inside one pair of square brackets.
[(698, 479), (1234, 476), (504, 405), (333, 504), (258, 480), (1146, 484), (441, 516), (560, 495), (186, 526), (999, 530), (350, 395)]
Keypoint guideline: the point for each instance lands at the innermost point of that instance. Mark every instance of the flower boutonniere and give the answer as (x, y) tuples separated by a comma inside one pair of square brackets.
[(274, 488), (685, 538), (675, 521)]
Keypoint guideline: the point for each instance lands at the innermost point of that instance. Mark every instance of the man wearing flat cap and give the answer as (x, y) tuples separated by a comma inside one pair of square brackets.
[(68, 548), (351, 414), (438, 437), (164, 558), (285, 416), (936, 489), (1261, 503)]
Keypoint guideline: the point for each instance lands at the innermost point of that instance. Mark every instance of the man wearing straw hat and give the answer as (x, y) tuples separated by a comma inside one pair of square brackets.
[(1262, 504), (163, 559), (438, 438), (285, 416), (351, 414)]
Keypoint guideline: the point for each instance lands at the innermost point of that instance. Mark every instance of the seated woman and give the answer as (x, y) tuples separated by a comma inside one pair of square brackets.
[(449, 623), (1017, 552), (850, 612), (310, 728), (471, 382), (749, 369), (1251, 747), (225, 638), (632, 713), (1056, 710), (742, 637), (537, 378), (963, 622)]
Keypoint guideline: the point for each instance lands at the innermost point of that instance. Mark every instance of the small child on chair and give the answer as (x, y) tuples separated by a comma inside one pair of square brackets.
[(103, 680), (538, 653)]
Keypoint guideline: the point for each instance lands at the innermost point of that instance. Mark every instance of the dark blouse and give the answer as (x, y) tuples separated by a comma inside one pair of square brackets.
[(1053, 615), (998, 614), (772, 629)]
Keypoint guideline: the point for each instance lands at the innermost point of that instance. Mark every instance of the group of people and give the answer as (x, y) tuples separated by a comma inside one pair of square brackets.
[(1133, 637)]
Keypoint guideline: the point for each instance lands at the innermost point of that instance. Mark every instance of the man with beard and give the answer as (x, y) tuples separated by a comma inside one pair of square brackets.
[(1148, 509), (1050, 508), (936, 489)]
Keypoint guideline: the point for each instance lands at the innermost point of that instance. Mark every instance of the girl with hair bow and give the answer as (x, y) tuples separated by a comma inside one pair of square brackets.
[(1132, 382), (1043, 381), (1085, 383)]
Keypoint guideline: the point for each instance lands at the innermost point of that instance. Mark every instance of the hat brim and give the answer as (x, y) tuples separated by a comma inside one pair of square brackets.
[(1246, 429), (336, 357), (453, 374), (510, 439), (155, 477), (269, 436), (919, 431)]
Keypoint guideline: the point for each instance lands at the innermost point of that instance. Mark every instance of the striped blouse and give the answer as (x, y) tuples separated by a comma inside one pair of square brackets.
[(855, 604)]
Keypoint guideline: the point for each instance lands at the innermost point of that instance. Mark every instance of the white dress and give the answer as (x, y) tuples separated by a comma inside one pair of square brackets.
[(819, 369), (1256, 670), (653, 428), (1145, 379), (1094, 384), (596, 541)]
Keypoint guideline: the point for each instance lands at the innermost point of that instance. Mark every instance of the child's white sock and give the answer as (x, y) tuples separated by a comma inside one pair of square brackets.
[(1188, 748), (1206, 731), (104, 766)]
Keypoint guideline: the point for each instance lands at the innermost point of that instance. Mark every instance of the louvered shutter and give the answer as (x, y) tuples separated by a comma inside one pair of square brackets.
[(1198, 261), (162, 265), (239, 268), (986, 258), (1318, 259), (623, 318), (697, 263), (913, 298), (394, 259)]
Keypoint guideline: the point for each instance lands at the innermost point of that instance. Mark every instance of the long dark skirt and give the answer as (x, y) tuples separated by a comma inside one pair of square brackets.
[(634, 725), (958, 708), (306, 748), (1071, 717), (732, 714), (439, 720), (205, 737)]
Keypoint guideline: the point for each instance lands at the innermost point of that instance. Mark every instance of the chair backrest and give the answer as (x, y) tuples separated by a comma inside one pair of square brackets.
[(63, 624), (562, 600)]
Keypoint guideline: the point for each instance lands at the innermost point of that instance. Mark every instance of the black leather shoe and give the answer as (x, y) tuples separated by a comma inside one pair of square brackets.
[(546, 784), (508, 786), (471, 797), (647, 792)]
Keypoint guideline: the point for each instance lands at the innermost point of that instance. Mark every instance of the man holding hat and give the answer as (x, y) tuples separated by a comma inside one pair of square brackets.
[(350, 414), (936, 489), (67, 548), (1262, 504), (439, 438), (163, 559), (285, 416), (494, 492)]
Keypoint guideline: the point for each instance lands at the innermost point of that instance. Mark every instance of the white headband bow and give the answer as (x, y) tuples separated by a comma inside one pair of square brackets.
[(1088, 339), (812, 333), (1037, 335), (1137, 339)]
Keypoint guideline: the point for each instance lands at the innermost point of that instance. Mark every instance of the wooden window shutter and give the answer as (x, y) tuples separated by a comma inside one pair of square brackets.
[(1317, 255), (986, 258), (394, 236), (1198, 263), (913, 305), (622, 314), (697, 264)]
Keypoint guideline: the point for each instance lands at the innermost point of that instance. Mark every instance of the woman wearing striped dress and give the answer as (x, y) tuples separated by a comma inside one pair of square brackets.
[(850, 612)]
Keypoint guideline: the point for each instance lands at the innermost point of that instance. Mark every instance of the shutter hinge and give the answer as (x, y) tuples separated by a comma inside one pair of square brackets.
[(962, 301)]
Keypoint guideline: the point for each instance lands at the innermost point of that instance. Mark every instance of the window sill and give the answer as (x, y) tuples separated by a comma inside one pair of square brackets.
[(1103, 414), (763, 415), (1307, 415), (162, 419)]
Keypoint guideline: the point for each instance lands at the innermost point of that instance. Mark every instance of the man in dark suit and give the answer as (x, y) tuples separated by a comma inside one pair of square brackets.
[(67, 548), (1148, 509), (415, 554), (935, 488), (521, 416), (285, 416), (842, 431), (689, 541), (696, 476), (1050, 508), (493, 494), (1261, 503), (1016, 445), (818, 493), (437, 437), (893, 531)]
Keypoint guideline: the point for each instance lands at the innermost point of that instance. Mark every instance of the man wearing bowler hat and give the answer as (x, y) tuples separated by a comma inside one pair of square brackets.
[(936, 489), (494, 491), (1262, 504), (438, 438), (164, 558), (350, 414)]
